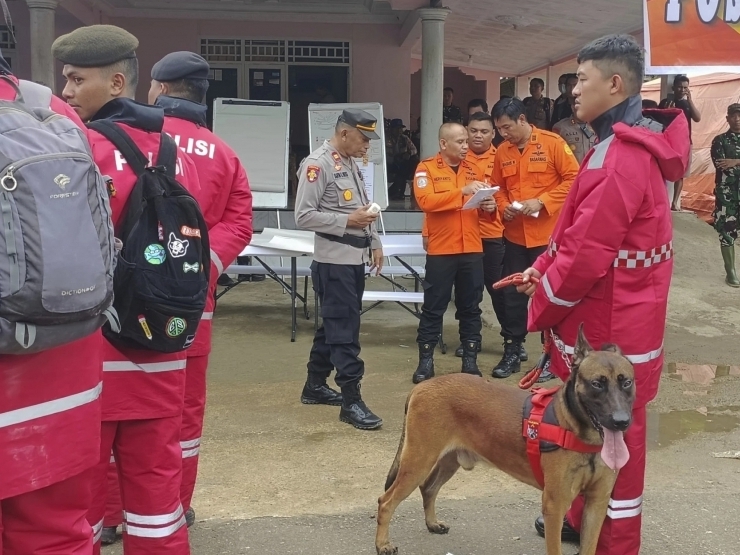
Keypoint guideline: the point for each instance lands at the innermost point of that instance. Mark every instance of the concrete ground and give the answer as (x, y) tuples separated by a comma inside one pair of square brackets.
[(281, 478)]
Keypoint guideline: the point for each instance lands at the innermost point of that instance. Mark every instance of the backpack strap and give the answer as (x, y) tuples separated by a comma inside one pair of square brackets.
[(167, 155), (123, 143), (34, 95)]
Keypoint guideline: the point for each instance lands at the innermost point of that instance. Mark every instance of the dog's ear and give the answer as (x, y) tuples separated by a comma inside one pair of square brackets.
[(612, 348), (582, 348)]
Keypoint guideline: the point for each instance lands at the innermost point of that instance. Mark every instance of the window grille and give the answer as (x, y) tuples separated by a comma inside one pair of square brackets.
[(6, 38), (264, 50), (221, 50), (325, 52)]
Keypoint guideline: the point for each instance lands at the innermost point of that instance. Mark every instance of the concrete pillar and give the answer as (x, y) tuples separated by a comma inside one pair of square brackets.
[(43, 33), (432, 76)]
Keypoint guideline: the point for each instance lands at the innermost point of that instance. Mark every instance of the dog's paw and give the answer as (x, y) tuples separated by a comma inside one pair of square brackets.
[(387, 549), (438, 528)]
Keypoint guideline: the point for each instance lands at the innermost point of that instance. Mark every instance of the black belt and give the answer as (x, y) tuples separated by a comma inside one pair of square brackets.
[(347, 239)]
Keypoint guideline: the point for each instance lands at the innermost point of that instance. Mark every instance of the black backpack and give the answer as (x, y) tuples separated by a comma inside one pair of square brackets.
[(161, 278)]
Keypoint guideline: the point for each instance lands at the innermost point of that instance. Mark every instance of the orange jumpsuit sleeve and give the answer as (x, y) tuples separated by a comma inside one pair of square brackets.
[(428, 200), (567, 167)]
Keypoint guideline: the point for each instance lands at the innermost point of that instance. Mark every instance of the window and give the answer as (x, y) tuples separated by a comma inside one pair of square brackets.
[(221, 50), (324, 52), (264, 51)]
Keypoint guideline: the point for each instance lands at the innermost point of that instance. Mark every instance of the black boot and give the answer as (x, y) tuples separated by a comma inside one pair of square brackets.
[(470, 356), (425, 370), (567, 535), (190, 517), (546, 375), (354, 410), (460, 349), (509, 363), (108, 535), (523, 356), (316, 392)]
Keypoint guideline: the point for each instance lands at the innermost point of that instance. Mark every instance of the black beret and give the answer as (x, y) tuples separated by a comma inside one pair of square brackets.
[(95, 46), (180, 65), (361, 120)]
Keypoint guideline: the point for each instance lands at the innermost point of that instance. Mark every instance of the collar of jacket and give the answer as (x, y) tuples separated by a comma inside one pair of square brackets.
[(130, 112), (629, 112), (183, 108)]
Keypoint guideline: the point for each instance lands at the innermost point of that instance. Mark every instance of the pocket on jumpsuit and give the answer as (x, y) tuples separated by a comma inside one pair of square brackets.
[(336, 324)]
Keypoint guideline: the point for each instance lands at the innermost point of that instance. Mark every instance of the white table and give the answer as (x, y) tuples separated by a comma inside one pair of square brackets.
[(283, 243)]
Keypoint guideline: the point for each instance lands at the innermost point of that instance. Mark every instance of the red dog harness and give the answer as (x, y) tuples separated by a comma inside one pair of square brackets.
[(543, 434)]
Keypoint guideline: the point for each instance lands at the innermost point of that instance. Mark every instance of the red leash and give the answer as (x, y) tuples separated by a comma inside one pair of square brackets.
[(531, 377)]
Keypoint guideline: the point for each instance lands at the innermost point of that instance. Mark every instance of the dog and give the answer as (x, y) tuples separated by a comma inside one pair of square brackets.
[(459, 420)]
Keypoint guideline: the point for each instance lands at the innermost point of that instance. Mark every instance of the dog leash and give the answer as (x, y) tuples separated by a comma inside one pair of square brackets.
[(531, 377)]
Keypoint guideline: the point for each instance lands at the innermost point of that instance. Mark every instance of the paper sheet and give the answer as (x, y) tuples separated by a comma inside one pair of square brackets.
[(368, 176), (518, 206), (480, 196)]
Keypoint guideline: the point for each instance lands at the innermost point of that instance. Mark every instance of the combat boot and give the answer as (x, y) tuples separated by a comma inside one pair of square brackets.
[(461, 348), (470, 357), (190, 517), (509, 363), (523, 356), (425, 369), (354, 410), (108, 535), (316, 392), (728, 255)]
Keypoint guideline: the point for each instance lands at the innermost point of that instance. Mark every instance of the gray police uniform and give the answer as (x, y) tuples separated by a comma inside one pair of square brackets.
[(329, 189), (580, 136)]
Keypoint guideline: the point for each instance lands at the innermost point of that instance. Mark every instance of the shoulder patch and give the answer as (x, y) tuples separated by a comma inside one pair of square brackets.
[(567, 149), (312, 173)]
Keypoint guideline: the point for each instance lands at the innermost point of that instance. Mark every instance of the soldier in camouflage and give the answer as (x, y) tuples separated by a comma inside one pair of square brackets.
[(726, 159)]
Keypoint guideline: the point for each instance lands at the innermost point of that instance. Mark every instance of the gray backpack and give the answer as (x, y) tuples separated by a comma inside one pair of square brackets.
[(56, 240)]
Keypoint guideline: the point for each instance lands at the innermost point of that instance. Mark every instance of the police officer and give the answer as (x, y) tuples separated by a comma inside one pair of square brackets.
[(726, 158), (332, 202)]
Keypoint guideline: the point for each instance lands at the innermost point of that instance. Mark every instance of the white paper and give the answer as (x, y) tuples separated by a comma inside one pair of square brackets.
[(368, 176), (518, 206), (480, 196)]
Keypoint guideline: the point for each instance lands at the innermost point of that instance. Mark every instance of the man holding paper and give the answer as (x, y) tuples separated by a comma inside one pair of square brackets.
[(442, 185), (535, 170)]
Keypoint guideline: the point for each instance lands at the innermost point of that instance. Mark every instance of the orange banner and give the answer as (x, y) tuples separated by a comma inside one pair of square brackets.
[(692, 35)]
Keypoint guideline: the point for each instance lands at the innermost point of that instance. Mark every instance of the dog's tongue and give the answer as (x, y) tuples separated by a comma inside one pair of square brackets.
[(614, 452)]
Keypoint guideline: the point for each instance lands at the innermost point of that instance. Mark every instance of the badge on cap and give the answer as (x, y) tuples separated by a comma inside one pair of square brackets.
[(312, 173), (568, 150), (347, 195)]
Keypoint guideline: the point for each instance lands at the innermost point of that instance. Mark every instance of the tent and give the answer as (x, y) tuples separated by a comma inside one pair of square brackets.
[(712, 94)]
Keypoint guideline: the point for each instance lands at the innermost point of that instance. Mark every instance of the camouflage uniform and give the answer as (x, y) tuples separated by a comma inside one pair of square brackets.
[(726, 193)]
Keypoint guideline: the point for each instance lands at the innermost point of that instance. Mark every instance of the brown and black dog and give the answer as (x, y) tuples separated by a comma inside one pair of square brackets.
[(460, 420)]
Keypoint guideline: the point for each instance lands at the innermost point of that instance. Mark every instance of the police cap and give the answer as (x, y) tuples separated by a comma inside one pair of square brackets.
[(732, 108), (362, 121), (180, 65), (95, 46)]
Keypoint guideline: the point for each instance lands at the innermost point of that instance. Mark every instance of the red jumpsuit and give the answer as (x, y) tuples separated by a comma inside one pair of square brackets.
[(143, 390), (226, 201), (49, 437), (609, 265)]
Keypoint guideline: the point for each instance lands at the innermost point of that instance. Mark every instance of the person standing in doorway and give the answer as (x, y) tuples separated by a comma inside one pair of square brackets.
[(450, 112), (538, 107), (331, 201)]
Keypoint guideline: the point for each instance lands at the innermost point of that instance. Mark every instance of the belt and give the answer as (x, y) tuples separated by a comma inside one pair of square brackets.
[(347, 239)]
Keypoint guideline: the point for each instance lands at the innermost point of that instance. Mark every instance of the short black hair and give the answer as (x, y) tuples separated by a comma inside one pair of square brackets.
[(129, 67), (538, 81), (449, 89), (617, 55), (190, 89), (680, 79), (480, 116), (478, 102), (649, 104), (510, 107)]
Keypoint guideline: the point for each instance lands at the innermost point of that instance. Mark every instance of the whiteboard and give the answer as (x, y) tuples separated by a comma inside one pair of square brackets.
[(258, 131), (322, 119)]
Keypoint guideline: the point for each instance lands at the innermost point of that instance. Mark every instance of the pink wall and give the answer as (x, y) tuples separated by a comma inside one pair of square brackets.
[(379, 70), (467, 84)]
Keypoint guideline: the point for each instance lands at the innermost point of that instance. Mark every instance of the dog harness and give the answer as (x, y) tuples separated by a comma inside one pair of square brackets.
[(543, 434)]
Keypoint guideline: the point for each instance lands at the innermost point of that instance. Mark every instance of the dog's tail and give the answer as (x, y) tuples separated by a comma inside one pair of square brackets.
[(393, 472)]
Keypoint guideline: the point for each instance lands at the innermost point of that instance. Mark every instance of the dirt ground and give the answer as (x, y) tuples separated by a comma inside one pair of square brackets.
[(280, 478)]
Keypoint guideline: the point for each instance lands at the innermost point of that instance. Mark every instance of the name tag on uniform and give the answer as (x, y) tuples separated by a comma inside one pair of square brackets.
[(341, 175)]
